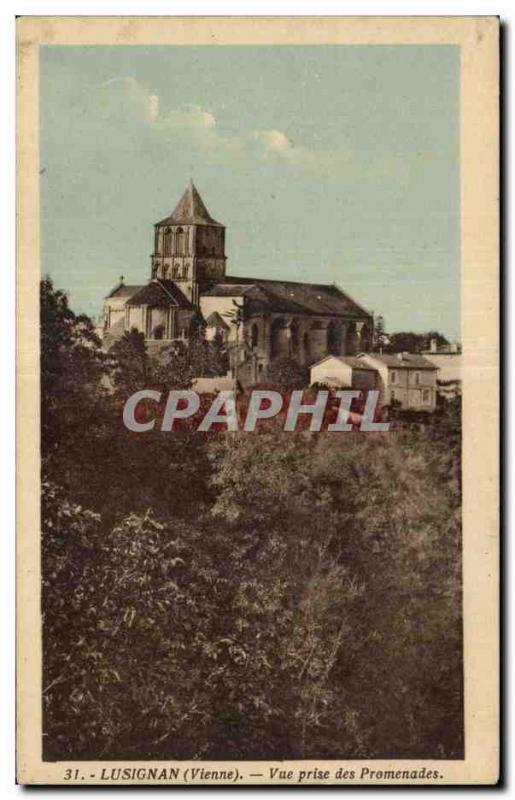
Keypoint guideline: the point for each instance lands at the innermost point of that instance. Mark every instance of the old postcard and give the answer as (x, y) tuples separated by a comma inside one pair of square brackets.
[(258, 387)]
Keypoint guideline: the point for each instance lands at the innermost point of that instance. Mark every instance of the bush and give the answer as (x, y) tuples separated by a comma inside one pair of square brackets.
[(289, 621), (288, 374)]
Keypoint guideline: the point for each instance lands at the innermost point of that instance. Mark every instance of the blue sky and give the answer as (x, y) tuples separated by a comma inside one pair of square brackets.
[(334, 163)]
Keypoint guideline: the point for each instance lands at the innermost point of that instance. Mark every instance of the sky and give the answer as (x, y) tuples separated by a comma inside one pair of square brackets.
[(326, 164)]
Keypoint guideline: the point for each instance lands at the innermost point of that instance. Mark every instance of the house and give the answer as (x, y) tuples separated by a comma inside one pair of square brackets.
[(344, 372), (213, 385), (405, 378), (216, 326), (260, 319), (448, 359)]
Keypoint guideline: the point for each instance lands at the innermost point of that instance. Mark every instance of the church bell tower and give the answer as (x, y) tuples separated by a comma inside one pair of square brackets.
[(189, 247)]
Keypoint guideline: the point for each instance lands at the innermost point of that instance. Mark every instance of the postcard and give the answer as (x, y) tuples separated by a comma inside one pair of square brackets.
[(258, 401)]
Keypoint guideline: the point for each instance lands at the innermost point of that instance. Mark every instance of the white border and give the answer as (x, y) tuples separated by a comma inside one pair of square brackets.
[(7, 77)]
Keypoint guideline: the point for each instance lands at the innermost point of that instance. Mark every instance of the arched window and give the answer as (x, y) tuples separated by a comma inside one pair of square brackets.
[(254, 336), (168, 242), (179, 242)]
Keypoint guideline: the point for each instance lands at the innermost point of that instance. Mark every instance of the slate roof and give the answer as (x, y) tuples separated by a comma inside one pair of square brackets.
[(226, 289), (350, 361), (160, 293), (291, 297), (124, 290), (408, 361), (190, 210)]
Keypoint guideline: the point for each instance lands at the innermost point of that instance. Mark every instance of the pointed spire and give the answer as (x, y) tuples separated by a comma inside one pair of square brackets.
[(190, 210)]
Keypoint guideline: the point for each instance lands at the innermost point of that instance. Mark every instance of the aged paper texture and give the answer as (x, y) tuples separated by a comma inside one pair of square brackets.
[(258, 401)]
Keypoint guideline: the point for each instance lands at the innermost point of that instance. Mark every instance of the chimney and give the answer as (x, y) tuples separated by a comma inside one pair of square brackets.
[(400, 356), (433, 346)]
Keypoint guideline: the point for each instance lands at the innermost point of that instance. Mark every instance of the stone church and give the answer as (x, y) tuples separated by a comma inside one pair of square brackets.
[(260, 319)]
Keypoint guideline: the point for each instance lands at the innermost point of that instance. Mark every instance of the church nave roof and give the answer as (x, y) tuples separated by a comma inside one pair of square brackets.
[(291, 296)]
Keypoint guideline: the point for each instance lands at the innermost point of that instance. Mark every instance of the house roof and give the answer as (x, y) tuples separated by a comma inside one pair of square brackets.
[(291, 297), (349, 361), (407, 360), (160, 292), (215, 321), (190, 210), (124, 290)]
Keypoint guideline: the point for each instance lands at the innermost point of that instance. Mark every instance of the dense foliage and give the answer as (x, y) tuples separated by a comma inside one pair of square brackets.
[(288, 373), (412, 342), (241, 596)]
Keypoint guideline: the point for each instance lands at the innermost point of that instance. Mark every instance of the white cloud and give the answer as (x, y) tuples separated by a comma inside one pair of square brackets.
[(153, 107), (123, 98), (273, 140), (187, 116)]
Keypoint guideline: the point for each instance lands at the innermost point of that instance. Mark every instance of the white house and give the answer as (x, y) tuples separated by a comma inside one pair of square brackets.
[(448, 359), (344, 372), (405, 378)]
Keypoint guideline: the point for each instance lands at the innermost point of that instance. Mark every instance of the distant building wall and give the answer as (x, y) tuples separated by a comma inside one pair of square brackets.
[(449, 372)]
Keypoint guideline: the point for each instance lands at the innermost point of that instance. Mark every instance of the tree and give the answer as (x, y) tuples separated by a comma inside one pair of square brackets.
[(236, 318), (119, 608), (380, 339), (399, 591), (287, 618), (218, 356), (288, 373), (131, 364), (73, 369), (412, 342)]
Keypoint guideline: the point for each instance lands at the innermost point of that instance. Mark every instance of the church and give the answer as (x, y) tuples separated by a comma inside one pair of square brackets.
[(259, 319)]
